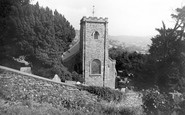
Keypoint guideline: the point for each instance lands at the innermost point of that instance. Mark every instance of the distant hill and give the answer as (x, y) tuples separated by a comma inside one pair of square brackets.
[(129, 43), (132, 43), (132, 40)]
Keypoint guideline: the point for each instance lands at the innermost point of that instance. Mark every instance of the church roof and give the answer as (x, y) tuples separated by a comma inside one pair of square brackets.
[(71, 52)]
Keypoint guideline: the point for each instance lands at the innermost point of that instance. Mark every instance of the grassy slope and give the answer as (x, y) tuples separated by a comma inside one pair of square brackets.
[(23, 95)]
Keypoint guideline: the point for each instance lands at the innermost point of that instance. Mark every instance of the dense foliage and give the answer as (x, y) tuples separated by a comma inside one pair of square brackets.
[(167, 53), (105, 93), (160, 103), (164, 65), (154, 101), (38, 34), (77, 77), (128, 65)]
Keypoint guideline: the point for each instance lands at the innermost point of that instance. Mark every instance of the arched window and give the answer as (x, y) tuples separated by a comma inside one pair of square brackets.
[(96, 35), (96, 67)]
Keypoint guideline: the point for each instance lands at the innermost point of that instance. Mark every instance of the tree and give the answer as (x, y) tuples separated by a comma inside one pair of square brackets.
[(167, 51), (39, 35), (5, 6), (115, 52), (128, 65)]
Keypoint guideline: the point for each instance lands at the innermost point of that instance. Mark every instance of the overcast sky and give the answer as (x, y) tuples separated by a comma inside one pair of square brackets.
[(126, 17)]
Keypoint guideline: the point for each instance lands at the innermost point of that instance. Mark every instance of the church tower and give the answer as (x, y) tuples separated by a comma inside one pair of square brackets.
[(94, 51), (89, 56)]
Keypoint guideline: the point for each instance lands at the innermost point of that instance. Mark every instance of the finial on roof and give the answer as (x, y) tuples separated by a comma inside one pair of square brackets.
[(93, 11)]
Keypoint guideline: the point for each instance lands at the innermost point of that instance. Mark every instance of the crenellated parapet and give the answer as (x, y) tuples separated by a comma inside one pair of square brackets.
[(94, 19)]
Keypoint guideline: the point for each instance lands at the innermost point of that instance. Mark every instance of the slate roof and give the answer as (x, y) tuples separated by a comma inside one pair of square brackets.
[(71, 52)]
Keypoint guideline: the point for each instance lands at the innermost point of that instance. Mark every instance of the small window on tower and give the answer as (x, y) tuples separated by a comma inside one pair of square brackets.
[(96, 35)]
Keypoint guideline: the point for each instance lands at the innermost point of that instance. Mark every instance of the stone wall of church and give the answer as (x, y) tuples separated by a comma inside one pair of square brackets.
[(95, 49), (111, 74)]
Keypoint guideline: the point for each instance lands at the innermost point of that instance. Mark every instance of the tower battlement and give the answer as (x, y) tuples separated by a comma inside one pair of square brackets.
[(94, 19)]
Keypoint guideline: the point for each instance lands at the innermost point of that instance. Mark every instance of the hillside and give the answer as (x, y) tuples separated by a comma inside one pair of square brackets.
[(134, 40), (131, 43), (26, 94)]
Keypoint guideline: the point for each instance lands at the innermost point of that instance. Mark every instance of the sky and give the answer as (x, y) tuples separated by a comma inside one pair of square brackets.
[(125, 17)]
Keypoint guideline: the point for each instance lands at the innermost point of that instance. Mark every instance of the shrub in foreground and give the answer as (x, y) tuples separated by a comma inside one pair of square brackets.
[(113, 110), (154, 101), (105, 93)]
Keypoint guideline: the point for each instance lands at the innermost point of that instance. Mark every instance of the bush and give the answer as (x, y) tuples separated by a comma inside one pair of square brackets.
[(105, 93), (182, 106), (154, 101), (49, 71), (117, 111), (77, 77)]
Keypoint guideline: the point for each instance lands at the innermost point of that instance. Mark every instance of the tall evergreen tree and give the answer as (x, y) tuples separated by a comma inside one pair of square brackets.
[(39, 35), (167, 51)]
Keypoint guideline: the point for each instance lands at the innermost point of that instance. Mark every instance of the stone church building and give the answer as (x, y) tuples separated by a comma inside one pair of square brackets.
[(89, 56)]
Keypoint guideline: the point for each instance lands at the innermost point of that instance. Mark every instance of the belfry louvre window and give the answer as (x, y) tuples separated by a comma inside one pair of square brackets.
[(96, 35), (96, 66)]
